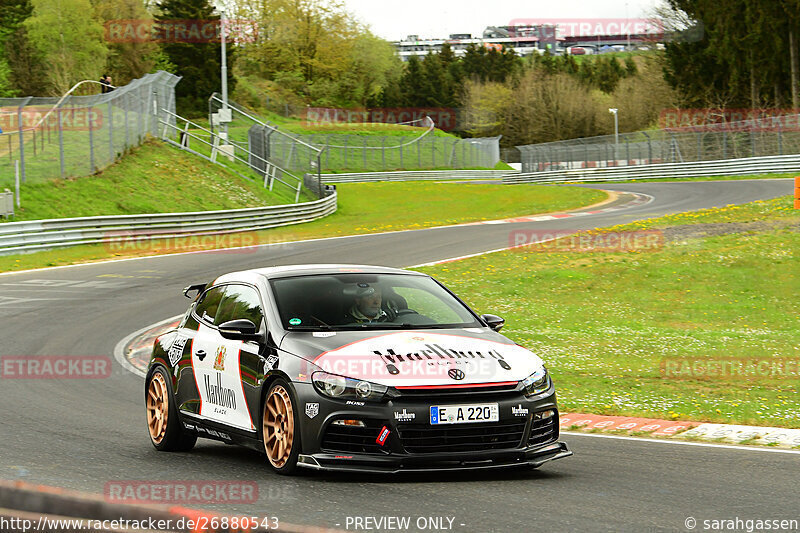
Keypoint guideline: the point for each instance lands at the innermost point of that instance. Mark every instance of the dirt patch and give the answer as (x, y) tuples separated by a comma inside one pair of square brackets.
[(699, 231)]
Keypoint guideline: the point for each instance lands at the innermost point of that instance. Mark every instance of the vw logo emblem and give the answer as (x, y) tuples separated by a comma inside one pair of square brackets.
[(456, 373)]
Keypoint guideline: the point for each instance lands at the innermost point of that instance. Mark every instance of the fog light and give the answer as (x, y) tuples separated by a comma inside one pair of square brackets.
[(543, 415), (357, 423)]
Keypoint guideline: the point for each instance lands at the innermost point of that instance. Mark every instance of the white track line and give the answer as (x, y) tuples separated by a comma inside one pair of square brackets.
[(683, 443)]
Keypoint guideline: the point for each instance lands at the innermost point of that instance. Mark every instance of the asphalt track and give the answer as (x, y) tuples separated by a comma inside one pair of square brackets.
[(82, 434)]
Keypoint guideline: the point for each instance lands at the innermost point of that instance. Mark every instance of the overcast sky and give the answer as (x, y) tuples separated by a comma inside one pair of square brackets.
[(396, 19)]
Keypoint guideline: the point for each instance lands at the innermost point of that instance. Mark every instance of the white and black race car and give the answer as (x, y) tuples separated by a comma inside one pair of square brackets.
[(342, 367)]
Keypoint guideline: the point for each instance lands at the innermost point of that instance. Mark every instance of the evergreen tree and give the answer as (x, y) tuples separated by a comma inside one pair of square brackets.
[(199, 64)]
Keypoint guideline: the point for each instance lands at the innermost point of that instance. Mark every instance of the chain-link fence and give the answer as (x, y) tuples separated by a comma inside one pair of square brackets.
[(79, 135), (734, 140), (307, 153)]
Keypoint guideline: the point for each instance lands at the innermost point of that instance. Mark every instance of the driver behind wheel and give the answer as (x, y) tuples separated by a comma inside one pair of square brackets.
[(367, 307)]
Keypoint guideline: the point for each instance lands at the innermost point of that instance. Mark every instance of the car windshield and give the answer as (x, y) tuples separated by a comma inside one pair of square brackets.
[(367, 301)]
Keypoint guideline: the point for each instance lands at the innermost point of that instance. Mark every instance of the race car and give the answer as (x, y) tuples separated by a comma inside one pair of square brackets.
[(343, 367)]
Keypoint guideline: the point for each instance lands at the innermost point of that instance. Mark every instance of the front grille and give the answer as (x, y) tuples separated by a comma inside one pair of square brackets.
[(543, 430), (422, 438), (352, 439)]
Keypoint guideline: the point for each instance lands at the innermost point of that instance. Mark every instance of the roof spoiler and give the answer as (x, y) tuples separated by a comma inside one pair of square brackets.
[(199, 287)]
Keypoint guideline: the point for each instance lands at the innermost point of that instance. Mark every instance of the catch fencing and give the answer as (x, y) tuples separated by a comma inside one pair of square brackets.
[(770, 136), (79, 135), (417, 175), (416, 145), (732, 167)]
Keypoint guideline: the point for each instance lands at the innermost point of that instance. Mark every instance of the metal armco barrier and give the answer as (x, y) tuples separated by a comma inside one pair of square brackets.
[(729, 167), (414, 175), (44, 234)]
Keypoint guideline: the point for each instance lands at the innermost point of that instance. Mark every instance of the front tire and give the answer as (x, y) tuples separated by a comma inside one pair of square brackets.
[(280, 428), (166, 430)]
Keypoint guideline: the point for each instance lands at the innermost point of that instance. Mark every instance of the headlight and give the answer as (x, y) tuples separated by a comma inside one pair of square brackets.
[(342, 388), (537, 383)]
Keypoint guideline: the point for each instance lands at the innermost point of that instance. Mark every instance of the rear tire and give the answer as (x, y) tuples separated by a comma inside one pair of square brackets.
[(280, 428), (166, 430)]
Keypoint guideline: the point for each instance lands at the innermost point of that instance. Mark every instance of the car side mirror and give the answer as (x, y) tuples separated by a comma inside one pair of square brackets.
[(240, 330), (494, 321)]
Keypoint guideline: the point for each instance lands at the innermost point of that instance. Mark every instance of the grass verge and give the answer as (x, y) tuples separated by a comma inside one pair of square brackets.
[(153, 178), (371, 208), (661, 333)]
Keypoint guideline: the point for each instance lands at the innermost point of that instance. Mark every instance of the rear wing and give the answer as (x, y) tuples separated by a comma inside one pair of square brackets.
[(199, 287)]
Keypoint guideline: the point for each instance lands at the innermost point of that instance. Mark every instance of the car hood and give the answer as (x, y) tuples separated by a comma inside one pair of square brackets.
[(416, 358)]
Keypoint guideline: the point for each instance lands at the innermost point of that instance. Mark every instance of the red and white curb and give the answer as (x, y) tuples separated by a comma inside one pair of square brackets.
[(652, 427), (638, 199)]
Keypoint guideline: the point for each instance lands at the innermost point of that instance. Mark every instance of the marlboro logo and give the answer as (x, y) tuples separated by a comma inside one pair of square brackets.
[(433, 352)]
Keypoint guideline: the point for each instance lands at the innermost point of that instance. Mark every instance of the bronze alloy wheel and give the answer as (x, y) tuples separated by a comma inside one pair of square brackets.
[(278, 427), (157, 408)]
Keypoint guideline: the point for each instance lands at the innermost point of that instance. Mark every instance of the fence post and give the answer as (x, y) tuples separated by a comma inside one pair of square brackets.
[(110, 133), (419, 153), (780, 139), (383, 152), (433, 152), (16, 180), (752, 142), (699, 154), (364, 158), (345, 151), (724, 144), (401, 155), (61, 141), (91, 141), (21, 138)]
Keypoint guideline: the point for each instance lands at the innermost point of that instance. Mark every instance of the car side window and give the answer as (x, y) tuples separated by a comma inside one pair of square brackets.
[(208, 304), (240, 301)]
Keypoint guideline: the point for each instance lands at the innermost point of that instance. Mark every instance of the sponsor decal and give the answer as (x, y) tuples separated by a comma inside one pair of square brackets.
[(213, 433), (271, 360), (456, 373), (176, 350), (404, 416), (312, 410), (218, 394), (383, 435), (353, 402), (324, 334), (295, 321), (423, 359), (519, 410), (219, 359)]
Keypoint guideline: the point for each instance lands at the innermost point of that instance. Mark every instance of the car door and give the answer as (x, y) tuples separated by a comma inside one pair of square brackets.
[(217, 362)]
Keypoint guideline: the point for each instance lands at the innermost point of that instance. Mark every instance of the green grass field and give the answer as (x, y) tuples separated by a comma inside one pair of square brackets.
[(153, 178), (376, 207), (614, 327)]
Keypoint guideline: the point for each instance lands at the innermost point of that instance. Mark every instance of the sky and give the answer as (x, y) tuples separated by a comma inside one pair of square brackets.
[(397, 19)]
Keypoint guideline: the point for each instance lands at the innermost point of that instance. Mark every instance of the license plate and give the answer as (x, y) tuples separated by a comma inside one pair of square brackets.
[(464, 414)]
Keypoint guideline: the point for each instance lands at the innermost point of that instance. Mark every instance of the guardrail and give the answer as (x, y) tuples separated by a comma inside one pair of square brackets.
[(415, 175), (728, 167), (53, 233)]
